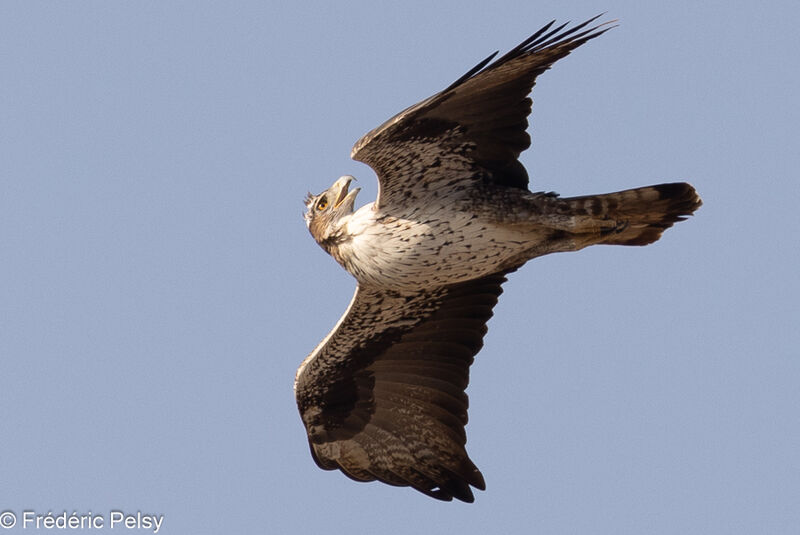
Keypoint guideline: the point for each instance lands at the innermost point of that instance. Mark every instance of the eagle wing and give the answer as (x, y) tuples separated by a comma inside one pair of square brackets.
[(473, 130), (382, 396)]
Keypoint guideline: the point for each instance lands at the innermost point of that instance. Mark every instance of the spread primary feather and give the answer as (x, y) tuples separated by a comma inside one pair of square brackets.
[(383, 395)]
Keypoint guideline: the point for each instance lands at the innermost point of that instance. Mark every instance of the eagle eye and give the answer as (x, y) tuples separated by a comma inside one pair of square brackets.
[(322, 204)]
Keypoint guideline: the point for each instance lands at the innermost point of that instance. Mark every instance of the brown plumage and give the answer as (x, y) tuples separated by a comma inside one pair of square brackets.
[(382, 397), (639, 216)]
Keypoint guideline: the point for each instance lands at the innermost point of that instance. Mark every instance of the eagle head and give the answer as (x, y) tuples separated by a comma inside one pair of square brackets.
[(327, 212)]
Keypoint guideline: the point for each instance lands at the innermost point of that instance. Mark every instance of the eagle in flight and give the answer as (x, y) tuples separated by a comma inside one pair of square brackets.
[(382, 396)]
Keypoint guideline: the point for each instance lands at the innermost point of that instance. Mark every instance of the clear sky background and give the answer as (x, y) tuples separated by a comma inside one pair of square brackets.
[(158, 287)]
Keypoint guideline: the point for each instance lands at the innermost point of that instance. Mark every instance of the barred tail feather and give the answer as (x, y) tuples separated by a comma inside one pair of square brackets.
[(641, 215)]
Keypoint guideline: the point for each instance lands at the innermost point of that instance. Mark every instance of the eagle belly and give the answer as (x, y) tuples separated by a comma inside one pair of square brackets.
[(434, 247)]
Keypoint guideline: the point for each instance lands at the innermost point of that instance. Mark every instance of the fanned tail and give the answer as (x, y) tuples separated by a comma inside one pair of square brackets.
[(633, 217)]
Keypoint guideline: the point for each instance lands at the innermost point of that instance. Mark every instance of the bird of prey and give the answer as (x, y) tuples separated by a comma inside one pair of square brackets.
[(383, 395)]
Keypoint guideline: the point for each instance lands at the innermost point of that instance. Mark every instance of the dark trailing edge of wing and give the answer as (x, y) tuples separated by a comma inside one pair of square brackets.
[(382, 397), (397, 399), (478, 123)]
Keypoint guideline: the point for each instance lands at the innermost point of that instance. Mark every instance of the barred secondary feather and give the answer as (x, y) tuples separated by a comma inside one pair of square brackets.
[(382, 396)]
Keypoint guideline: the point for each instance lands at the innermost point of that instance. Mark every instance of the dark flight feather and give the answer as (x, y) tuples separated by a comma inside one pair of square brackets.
[(380, 403), (481, 117), (383, 397)]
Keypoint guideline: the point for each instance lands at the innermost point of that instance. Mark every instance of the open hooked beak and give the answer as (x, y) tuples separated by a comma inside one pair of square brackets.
[(342, 196)]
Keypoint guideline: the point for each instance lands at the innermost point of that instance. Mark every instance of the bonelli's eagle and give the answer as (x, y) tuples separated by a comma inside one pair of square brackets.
[(382, 396)]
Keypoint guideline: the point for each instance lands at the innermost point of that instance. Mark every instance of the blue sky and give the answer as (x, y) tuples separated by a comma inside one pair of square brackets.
[(159, 287)]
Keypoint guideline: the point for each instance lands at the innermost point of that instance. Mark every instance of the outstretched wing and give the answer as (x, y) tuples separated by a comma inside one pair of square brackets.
[(382, 396), (473, 130)]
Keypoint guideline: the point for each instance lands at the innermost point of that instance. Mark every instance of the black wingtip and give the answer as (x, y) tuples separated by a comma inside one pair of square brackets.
[(473, 71), (544, 37)]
